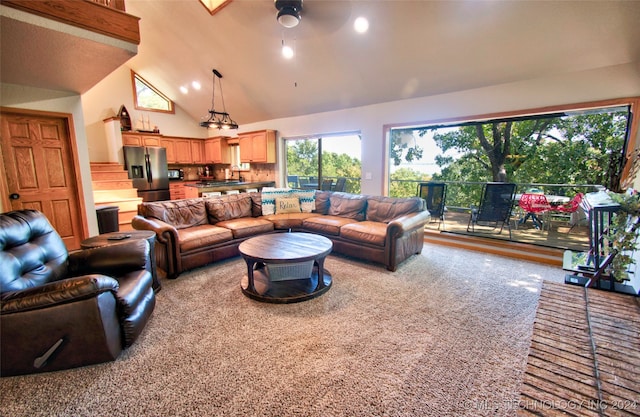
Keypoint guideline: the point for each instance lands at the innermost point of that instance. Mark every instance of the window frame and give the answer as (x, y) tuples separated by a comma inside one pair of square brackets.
[(137, 105), (633, 139)]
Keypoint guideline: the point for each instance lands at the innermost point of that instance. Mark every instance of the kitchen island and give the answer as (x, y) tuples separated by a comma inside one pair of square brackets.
[(222, 186)]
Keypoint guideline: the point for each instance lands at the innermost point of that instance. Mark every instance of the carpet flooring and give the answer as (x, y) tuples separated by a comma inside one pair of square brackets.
[(447, 334)]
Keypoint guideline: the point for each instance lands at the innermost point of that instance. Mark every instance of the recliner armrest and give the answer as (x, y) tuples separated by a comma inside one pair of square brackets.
[(57, 292), (112, 260)]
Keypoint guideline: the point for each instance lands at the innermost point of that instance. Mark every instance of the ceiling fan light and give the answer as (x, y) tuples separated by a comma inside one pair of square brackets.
[(288, 17)]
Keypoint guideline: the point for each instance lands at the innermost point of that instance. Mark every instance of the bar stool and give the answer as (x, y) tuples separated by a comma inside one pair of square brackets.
[(211, 194)]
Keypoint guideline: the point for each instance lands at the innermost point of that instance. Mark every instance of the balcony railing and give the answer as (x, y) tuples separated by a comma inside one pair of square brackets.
[(558, 231), (100, 16)]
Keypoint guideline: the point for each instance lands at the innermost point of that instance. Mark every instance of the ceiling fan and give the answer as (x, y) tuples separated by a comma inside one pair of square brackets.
[(325, 15), (289, 12)]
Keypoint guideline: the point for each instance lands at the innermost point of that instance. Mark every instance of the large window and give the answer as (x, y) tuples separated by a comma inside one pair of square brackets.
[(332, 159), (567, 147)]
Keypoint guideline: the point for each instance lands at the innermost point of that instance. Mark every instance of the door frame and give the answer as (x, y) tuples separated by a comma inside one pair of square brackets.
[(67, 119)]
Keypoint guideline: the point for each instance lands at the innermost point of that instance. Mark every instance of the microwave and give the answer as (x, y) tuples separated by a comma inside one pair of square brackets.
[(176, 174)]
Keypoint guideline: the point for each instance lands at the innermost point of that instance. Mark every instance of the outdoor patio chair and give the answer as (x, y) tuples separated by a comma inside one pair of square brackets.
[(434, 194), (340, 184), (570, 208), (292, 181), (495, 207), (327, 185), (533, 206)]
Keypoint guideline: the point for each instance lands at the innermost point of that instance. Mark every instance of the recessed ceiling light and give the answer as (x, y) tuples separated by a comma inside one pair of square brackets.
[(184, 89), (287, 51), (196, 85), (361, 24)]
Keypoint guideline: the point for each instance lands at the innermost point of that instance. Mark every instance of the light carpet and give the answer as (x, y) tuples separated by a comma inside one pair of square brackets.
[(447, 334)]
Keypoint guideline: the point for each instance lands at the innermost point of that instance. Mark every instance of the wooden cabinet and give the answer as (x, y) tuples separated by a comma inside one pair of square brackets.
[(176, 190), (136, 139), (180, 189), (216, 150), (170, 146), (258, 146), (197, 151), (179, 150), (183, 150)]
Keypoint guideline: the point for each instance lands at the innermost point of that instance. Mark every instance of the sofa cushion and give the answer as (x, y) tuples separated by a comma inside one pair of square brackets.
[(385, 209), (246, 226), (269, 195), (202, 236), (288, 220), (322, 202), (350, 206), (178, 213), (256, 204), (287, 205), (326, 225), (366, 232), (228, 207)]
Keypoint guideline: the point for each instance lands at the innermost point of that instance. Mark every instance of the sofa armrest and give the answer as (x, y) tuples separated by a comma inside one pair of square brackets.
[(57, 292), (407, 223), (164, 231), (113, 260)]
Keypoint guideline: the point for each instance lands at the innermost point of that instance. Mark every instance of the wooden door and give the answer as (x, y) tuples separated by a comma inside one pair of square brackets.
[(40, 173)]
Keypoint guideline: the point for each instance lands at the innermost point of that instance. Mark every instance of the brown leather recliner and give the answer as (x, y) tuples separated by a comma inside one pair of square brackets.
[(61, 310)]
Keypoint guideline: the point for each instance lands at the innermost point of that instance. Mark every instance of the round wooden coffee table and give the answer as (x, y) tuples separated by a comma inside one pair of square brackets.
[(285, 267)]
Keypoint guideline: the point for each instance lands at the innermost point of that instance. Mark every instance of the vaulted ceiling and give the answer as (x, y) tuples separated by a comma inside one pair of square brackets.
[(413, 48)]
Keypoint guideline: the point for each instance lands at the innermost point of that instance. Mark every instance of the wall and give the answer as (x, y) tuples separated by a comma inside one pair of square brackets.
[(22, 97), (606, 83), (104, 101)]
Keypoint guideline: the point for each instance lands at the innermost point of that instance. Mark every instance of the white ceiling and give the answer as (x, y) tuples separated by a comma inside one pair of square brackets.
[(412, 49)]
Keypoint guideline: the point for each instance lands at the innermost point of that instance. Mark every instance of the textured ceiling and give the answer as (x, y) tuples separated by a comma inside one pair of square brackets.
[(412, 49)]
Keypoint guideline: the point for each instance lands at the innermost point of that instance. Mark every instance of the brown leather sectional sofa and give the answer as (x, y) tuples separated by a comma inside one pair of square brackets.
[(198, 231)]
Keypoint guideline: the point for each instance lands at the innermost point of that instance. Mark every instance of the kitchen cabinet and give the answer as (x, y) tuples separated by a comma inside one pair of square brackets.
[(197, 151), (178, 150), (216, 150), (170, 146), (182, 189), (176, 190), (183, 151), (258, 146), (136, 139)]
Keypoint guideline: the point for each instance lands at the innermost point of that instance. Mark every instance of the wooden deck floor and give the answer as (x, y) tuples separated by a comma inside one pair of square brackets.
[(584, 358)]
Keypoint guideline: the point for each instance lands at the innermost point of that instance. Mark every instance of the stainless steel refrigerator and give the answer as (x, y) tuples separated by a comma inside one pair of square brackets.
[(147, 167)]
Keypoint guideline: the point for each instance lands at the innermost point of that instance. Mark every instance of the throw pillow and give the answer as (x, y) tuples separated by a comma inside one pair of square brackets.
[(287, 205), (268, 196), (307, 199)]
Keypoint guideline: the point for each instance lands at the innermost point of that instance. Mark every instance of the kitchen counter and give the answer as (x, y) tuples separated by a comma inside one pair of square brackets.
[(229, 185)]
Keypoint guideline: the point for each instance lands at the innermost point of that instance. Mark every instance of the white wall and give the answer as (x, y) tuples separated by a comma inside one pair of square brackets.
[(22, 97), (606, 83), (104, 100)]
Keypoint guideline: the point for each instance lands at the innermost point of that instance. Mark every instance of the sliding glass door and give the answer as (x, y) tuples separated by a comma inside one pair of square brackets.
[(330, 162)]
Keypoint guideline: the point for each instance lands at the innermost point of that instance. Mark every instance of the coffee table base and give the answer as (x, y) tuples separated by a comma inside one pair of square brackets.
[(284, 292)]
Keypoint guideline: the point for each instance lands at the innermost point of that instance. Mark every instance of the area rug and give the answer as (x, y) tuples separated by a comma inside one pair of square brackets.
[(447, 334)]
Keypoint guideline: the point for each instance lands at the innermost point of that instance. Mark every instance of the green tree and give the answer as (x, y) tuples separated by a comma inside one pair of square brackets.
[(585, 149)]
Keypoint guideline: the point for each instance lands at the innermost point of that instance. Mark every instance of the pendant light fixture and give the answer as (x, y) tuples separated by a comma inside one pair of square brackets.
[(216, 119)]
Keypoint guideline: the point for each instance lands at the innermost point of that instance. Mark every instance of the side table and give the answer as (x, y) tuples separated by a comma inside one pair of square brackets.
[(103, 240)]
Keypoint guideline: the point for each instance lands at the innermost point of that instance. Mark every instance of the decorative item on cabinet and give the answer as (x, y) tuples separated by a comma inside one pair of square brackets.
[(258, 146), (125, 120)]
